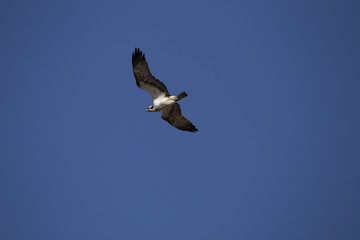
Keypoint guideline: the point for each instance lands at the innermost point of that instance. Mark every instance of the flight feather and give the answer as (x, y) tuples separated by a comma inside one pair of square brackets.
[(172, 115), (144, 79)]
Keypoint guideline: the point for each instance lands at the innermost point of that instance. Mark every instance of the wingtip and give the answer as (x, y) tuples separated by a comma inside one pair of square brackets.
[(191, 128), (137, 56), (137, 51), (194, 130)]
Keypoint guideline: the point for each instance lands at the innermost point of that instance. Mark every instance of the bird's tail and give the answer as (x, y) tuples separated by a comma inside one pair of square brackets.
[(181, 96)]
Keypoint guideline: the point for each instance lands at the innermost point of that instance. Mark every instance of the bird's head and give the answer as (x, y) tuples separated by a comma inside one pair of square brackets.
[(151, 109)]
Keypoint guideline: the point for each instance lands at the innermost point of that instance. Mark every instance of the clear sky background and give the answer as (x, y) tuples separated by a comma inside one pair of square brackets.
[(274, 89)]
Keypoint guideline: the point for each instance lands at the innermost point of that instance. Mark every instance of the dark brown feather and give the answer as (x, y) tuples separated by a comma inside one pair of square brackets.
[(143, 76), (173, 115)]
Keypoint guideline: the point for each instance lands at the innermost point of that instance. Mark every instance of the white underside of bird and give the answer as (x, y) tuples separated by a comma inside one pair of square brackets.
[(161, 103)]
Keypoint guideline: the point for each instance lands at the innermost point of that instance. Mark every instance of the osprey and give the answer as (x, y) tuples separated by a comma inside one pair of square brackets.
[(162, 100)]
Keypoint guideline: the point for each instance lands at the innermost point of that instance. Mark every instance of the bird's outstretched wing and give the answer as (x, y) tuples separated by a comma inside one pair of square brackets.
[(172, 115), (144, 79)]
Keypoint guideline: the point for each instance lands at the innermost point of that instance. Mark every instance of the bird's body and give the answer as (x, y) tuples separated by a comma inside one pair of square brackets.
[(162, 100), (161, 103)]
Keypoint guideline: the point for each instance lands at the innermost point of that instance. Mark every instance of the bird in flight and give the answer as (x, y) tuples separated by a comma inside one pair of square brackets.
[(162, 100)]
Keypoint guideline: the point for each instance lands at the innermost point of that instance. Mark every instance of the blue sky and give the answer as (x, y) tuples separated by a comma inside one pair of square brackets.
[(273, 89)]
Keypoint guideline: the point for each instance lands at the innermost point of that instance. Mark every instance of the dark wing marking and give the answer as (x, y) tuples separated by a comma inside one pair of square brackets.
[(144, 79), (172, 115)]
